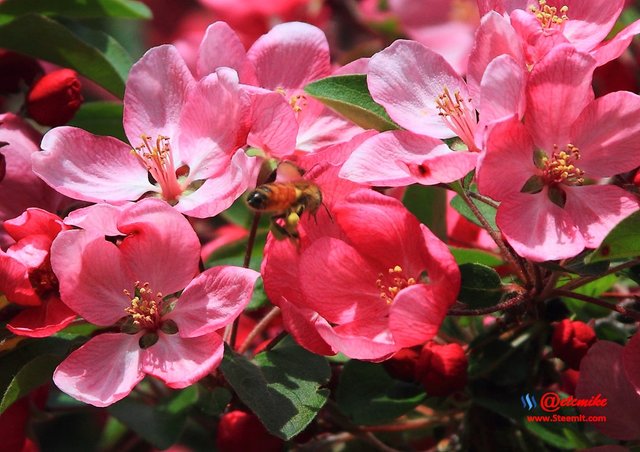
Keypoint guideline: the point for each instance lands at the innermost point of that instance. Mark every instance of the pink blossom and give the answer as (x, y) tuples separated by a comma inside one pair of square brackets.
[(26, 277), (21, 188), (124, 271), (367, 282), (185, 137), (284, 61), (543, 171), (424, 94)]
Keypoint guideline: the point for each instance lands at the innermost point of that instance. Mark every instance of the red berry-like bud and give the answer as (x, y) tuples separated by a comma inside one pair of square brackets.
[(402, 365), (55, 98), (442, 369), (569, 381), (571, 341), (16, 71), (636, 179), (240, 432)]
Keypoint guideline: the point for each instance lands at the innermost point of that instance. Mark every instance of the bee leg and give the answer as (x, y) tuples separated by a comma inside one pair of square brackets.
[(279, 232)]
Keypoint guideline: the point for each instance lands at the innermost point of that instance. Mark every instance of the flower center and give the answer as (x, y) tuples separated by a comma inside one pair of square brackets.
[(145, 309), (560, 168), (459, 116), (157, 158), (392, 282), (548, 15), (297, 101), (44, 281)]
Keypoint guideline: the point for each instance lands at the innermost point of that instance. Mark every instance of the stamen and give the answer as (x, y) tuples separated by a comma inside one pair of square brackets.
[(44, 281), (548, 15), (159, 162), (561, 168), (392, 282), (459, 116), (146, 308)]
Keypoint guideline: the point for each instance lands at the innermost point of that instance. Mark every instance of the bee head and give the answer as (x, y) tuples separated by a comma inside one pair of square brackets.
[(257, 199)]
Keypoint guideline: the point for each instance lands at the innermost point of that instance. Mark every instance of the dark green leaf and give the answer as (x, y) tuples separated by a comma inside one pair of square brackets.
[(481, 286), (93, 54), (35, 373), (215, 401), (349, 96), (563, 435), (100, 118), (259, 298), (160, 424), (281, 386), (473, 256), (369, 396), (486, 210), (586, 311), (622, 242), (77, 8), (429, 205)]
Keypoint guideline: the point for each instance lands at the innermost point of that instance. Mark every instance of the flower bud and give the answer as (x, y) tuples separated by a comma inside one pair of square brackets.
[(402, 365), (442, 369), (55, 98), (569, 381), (239, 431), (571, 341), (636, 179), (17, 71)]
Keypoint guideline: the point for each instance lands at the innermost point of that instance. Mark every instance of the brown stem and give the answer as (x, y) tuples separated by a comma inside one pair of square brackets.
[(587, 279), (505, 305), (614, 307), (259, 328), (505, 251), (488, 201), (231, 331)]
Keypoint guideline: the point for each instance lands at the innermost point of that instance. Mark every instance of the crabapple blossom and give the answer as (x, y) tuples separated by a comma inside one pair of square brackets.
[(550, 206), (26, 277), (134, 269)]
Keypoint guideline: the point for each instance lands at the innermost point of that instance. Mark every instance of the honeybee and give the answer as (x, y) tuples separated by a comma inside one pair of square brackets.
[(286, 201)]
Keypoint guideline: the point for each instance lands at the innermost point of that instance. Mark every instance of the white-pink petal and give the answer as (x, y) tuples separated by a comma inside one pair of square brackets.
[(221, 47)]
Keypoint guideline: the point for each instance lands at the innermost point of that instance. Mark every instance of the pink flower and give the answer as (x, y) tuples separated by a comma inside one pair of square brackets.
[(132, 269), (424, 95), (185, 137), (26, 277), (367, 283), (21, 188), (284, 61), (543, 171)]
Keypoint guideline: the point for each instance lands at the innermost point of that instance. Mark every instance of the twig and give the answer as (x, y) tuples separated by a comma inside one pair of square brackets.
[(614, 307), (488, 201), (587, 279), (505, 305), (259, 328)]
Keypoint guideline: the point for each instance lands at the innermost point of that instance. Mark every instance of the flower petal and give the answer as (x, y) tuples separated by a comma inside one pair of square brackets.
[(42, 321), (179, 361), (156, 91), (102, 371), (213, 300), (371, 341), (302, 323), (631, 361), (221, 47), (590, 22), (89, 167), (274, 127), (407, 78)]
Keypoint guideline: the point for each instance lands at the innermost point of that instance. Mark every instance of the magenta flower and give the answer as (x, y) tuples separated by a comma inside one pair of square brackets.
[(284, 61), (185, 138), (133, 269), (21, 188), (366, 284), (26, 277), (544, 171), (425, 95)]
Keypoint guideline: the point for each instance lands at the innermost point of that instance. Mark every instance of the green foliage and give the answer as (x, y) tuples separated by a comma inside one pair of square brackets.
[(622, 242), (481, 286), (369, 396), (93, 54), (429, 205), (486, 210), (282, 386), (474, 256), (77, 8), (349, 96), (100, 118)]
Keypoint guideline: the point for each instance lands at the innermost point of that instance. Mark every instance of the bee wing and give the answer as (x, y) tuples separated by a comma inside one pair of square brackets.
[(288, 172)]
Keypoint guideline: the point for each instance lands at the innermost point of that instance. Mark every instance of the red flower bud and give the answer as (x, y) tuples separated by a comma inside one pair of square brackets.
[(636, 179), (569, 381), (571, 340), (240, 432), (442, 369), (402, 365), (16, 71), (55, 98)]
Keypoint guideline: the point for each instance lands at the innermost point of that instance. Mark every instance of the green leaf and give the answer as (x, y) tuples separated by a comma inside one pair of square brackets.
[(281, 386), (100, 118), (93, 54), (77, 8), (349, 96), (473, 256), (33, 374), (622, 242), (159, 424), (481, 286), (369, 396), (429, 205), (586, 311), (486, 210)]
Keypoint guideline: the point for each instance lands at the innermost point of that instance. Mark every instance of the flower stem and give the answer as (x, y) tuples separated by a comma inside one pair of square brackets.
[(587, 279), (259, 328), (614, 307), (505, 305)]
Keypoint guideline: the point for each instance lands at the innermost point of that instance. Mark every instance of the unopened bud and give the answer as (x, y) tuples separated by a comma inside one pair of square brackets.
[(55, 98), (571, 341), (442, 369), (239, 431), (402, 365)]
